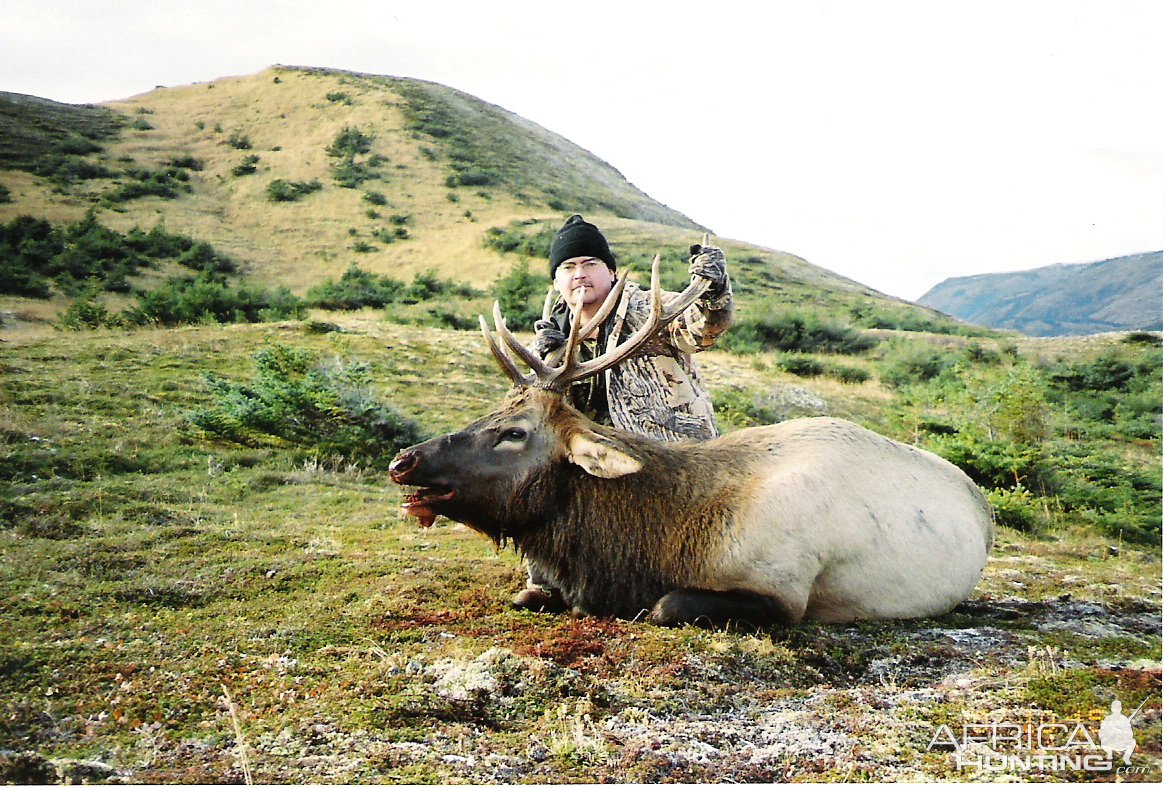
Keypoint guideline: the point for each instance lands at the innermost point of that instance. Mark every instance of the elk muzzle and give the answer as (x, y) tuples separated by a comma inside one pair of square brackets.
[(423, 503)]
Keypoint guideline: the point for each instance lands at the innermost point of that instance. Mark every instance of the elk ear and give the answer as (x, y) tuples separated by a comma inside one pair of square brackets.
[(599, 457)]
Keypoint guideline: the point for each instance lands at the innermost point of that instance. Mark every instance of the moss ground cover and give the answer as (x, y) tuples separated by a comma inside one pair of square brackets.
[(151, 570)]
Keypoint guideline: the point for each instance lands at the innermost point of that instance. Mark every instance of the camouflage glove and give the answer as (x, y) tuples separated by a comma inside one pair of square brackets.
[(709, 262), (547, 338)]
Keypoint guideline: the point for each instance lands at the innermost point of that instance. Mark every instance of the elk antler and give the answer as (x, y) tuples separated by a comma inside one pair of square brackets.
[(571, 370)]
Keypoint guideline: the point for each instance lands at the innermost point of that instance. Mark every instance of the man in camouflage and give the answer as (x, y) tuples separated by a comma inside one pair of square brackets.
[(657, 392)]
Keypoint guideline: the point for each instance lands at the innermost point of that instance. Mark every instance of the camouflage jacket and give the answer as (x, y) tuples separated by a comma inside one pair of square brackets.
[(657, 391)]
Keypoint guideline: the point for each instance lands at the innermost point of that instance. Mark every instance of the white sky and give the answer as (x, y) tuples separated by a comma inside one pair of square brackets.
[(897, 142)]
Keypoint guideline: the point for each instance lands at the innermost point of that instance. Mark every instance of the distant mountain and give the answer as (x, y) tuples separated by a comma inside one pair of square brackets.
[(1120, 294)]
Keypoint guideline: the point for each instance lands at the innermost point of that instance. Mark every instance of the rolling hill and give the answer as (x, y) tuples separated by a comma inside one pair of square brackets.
[(1120, 294), (300, 173)]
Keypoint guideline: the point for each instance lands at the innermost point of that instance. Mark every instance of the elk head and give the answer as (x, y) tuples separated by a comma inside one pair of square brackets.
[(497, 474)]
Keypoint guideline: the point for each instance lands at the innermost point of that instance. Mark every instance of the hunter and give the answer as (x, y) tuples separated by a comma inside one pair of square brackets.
[(657, 392)]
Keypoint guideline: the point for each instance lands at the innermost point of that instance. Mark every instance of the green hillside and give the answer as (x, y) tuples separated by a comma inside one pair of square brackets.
[(299, 174)]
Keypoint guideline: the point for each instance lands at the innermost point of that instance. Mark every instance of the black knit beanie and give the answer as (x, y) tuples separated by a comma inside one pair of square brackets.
[(579, 238)]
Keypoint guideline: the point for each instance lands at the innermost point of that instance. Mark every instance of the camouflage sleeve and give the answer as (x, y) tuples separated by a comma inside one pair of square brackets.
[(704, 321)]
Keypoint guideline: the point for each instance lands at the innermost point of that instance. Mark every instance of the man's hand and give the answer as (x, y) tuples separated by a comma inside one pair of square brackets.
[(709, 262), (547, 338)]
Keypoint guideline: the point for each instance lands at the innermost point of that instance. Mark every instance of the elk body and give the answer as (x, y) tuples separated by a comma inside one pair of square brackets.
[(811, 518)]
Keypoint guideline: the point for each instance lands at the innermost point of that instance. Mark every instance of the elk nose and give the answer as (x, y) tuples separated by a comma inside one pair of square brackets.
[(403, 465)]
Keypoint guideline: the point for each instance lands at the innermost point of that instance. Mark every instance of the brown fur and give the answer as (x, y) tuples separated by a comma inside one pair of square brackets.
[(612, 546), (814, 515)]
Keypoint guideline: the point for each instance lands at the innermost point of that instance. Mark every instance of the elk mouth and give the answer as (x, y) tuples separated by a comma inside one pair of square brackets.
[(422, 503)]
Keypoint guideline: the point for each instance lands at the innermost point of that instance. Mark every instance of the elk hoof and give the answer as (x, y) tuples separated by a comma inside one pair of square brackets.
[(539, 600)]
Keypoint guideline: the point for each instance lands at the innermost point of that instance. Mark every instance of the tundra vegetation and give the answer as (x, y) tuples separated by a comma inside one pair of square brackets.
[(204, 573), (162, 541)]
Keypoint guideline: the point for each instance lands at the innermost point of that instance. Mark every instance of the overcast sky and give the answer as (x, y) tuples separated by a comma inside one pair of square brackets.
[(897, 142)]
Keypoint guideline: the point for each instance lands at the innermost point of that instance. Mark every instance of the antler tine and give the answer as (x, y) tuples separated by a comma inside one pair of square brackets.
[(540, 370), (656, 291), (612, 299), (572, 341), (693, 292), (503, 360), (679, 303), (548, 306)]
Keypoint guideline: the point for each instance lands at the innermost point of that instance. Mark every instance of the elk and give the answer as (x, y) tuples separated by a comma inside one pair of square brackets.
[(813, 518)]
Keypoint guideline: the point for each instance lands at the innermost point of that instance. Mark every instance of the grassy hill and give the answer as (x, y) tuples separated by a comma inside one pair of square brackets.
[(436, 170), (205, 575), (1120, 294), (422, 135)]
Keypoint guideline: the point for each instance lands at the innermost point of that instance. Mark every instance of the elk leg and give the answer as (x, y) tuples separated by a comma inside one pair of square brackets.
[(721, 609), (539, 600), (539, 595)]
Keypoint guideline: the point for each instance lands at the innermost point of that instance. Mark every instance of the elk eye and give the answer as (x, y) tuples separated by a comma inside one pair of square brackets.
[(513, 434)]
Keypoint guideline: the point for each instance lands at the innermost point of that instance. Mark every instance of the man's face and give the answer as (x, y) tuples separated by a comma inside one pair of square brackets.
[(588, 273)]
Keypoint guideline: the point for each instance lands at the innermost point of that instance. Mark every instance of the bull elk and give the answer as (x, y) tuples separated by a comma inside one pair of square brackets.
[(812, 518)]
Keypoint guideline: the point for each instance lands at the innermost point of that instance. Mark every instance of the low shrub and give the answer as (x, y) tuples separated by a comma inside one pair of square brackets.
[(1106, 373), (203, 257), (168, 184), (802, 366), (518, 238), (36, 256), (1015, 509), (521, 294), (239, 141), (65, 168), (296, 398), (185, 163), (86, 312), (427, 285), (76, 145), (248, 166), (473, 176), (210, 299), (350, 174), (1119, 499), (915, 366), (994, 464), (1143, 338), (846, 374), (357, 289), (350, 143), (455, 314), (280, 190), (775, 330), (869, 315)]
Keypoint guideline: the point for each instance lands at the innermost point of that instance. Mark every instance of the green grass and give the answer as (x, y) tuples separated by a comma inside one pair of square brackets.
[(146, 566)]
